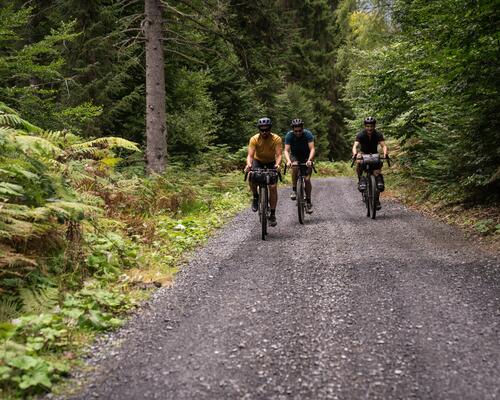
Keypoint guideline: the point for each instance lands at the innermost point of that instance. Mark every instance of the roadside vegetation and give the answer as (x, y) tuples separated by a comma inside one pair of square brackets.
[(83, 240)]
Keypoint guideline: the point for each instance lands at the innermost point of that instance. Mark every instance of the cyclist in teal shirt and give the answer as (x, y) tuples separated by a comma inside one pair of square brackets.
[(299, 149)]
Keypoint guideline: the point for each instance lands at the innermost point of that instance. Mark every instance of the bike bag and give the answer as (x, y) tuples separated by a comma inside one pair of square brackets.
[(260, 177), (371, 159)]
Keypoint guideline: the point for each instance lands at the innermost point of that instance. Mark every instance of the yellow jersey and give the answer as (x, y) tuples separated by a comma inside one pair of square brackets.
[(265, 149)]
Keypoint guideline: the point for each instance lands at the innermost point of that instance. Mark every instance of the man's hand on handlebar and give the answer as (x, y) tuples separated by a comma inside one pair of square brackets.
[(248, 167), (309, 163)]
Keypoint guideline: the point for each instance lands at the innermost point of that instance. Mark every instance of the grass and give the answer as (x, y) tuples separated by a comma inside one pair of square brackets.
[(335, 168)]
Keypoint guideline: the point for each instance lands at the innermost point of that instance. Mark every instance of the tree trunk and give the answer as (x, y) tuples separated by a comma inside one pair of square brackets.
[(156, 126)]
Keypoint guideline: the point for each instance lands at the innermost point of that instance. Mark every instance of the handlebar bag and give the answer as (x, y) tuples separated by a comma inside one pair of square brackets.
[(371, 159), (260, 177)]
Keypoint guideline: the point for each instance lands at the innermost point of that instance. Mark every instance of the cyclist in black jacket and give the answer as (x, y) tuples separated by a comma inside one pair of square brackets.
[(299, 149), (368, 141)]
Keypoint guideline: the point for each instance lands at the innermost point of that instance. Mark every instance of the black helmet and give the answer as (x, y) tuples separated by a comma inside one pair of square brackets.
[(264, 122), (370, 120), (297, 122)]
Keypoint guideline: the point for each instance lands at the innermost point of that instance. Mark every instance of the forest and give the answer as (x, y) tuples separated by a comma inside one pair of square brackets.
[(90, 223)]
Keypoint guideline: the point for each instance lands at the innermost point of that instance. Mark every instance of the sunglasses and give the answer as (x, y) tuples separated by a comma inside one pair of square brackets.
[(265, 130), (298, 130)]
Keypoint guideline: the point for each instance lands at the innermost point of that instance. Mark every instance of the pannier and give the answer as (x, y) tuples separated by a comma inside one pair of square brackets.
[(260, 177)]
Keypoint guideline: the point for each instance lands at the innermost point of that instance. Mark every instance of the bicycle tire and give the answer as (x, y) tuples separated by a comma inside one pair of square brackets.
[(373, 196), (263, 207), (300, 200), (366, 198)]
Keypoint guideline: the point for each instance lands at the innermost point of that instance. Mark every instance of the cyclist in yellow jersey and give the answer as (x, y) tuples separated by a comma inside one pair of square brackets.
[(265, 151)]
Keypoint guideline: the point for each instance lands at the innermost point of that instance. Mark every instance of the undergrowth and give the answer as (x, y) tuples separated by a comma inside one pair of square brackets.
[(85, 236), (481, 218)]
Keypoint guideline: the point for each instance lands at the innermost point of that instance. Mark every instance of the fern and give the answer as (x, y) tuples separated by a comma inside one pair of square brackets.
[(107, 143), (39, 300), (37, 145), (15, 121), (9, 308), (10, 190), (5, 109), (13, 264)]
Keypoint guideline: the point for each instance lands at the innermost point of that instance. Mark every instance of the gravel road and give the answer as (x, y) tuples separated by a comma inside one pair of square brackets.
[(342, 308)]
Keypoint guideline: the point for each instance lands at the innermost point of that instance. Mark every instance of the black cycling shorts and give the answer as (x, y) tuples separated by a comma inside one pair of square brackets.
[(258, 164)]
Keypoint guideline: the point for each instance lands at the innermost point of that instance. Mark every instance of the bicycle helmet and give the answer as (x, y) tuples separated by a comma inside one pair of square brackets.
[(370, 120), (264, 122), (297, 122)]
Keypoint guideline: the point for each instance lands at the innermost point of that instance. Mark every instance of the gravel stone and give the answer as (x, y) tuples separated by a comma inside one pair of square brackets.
[(344, 307)]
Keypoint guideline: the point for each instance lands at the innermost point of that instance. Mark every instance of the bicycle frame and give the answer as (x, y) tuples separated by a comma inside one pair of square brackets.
[(263, 189), (301, 192), (371, 194)]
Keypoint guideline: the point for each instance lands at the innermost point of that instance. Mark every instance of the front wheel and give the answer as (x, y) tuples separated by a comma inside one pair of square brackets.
[(263, 205), (366, 198), (300, 199), (373, 196)]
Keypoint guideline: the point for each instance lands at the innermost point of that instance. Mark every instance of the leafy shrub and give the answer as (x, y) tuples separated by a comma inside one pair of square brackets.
[(435, 95), (26, 343)]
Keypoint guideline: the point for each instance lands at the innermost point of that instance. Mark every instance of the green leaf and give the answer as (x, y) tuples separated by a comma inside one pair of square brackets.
[(38, 377), (5, 372), (7, 330), (24, 362)]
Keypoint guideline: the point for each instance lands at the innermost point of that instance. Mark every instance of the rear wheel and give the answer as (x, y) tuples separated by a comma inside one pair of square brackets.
[(373, 196), (300, 199), (263, 210)]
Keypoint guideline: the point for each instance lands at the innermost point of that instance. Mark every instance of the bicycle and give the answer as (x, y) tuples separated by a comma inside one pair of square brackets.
[(301, 191), (263, 177), (371, 195)]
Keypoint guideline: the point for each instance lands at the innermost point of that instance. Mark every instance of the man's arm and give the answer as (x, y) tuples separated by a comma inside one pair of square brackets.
[(355, 148), (287, 155), (278, 156), (312, 152), (384, 147), (250, 156)]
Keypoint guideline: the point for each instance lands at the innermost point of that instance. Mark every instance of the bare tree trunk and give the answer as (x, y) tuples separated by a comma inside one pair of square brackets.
[(156, 127)]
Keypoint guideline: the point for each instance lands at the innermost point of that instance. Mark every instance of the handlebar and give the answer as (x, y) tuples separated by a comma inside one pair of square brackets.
[(388, 159), (301, 165), (265, 170)]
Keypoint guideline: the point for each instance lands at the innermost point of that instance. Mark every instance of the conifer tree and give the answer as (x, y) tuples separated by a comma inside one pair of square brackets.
[(156, 127)]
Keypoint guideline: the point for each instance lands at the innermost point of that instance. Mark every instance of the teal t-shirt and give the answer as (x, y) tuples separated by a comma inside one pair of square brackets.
[(299, 146)]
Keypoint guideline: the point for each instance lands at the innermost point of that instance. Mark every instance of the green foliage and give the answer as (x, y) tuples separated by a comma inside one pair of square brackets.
[(192, 118), (336, 168), (37, 200), (297, 102), (39, 300), (433, 85), (487, 227), (26, 343)]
